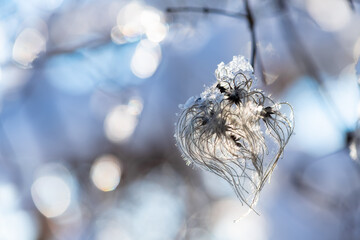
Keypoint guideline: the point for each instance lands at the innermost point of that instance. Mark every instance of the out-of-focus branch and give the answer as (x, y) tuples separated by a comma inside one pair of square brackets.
[(8, 156), (91, 43), (343, 207), (351, 4), (206, 10), (302, 57)]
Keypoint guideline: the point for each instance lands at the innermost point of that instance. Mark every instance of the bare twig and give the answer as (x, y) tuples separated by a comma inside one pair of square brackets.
[(251, 21), (206, 10)]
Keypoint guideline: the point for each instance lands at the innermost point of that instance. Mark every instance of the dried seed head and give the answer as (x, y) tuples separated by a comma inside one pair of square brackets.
[(229, 128)]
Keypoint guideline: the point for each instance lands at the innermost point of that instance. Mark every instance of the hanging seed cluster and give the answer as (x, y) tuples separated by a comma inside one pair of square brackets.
[(234, 130)]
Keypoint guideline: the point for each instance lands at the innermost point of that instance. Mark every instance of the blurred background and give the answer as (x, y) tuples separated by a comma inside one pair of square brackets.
[(89, 90)]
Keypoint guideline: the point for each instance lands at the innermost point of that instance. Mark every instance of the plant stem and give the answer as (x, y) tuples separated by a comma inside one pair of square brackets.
[(206, 10)]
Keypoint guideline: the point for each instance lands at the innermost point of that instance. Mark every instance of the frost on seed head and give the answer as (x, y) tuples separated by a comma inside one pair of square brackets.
[(230, 129), (239, 64)]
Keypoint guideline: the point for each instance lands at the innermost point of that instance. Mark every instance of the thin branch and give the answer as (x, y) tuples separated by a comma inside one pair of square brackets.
[(206, 10), (251, 21), (248, 15)]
